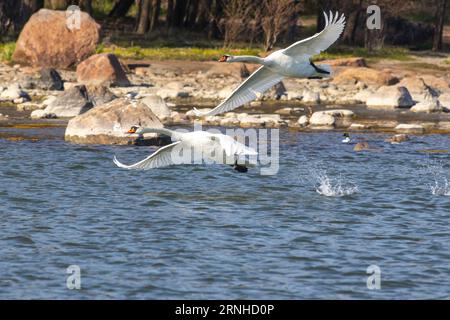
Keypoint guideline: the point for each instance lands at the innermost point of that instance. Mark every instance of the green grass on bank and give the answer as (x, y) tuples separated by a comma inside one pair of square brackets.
[(168, 53), (207, 54), (210, 54), (6, 51), (389, 53)]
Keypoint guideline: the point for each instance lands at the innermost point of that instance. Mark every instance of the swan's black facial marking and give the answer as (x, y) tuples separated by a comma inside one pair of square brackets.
[(318, 70), (133, 129)]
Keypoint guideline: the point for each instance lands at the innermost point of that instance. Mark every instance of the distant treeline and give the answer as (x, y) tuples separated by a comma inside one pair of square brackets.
[(255, 21)]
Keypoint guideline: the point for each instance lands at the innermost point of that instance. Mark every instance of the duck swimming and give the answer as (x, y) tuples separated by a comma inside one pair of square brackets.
[(346, 138)]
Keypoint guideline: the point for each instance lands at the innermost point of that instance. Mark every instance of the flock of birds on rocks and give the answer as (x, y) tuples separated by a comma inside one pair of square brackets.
[(293, 61)]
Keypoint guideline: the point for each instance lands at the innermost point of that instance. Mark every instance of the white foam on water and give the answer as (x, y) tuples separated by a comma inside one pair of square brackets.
[(440, 188), (333, 187), (440, 185)]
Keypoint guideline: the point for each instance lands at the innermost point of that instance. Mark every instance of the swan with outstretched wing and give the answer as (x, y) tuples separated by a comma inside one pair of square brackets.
[(215, 147), (293, 61)]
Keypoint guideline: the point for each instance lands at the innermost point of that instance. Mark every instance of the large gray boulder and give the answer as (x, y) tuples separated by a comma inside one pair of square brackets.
[(99, 94), (78, 100), (14, 92), (322, 120), (303, 121), (311, 97), (343, 117), (444, 99), (47, 41), (428, 106), (158, 106), (410, 128), (390, 97), (103, 68), (108, 124), (48, 79), (71, 103)]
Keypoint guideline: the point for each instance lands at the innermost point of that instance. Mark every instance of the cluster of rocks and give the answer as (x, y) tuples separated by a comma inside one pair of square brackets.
[(14, 94)]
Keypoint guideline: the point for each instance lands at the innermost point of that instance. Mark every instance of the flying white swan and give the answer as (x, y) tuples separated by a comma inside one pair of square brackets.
[(293, 61), (217, 147)]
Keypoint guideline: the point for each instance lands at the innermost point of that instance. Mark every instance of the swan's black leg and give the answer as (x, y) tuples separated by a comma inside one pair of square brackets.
[(318, 70), (239, 168)]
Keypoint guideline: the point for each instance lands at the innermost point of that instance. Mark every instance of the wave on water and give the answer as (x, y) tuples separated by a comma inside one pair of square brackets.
[(333, 187)]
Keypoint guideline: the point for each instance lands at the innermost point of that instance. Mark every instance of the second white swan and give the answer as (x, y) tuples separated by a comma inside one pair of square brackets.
[(217, 147)]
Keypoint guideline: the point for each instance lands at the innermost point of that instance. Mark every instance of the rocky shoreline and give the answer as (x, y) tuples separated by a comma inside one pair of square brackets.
[(356, 98), (98, 96)]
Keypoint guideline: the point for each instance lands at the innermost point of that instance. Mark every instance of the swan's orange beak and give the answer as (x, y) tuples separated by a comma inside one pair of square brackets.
[(132, 130), (223, 58)]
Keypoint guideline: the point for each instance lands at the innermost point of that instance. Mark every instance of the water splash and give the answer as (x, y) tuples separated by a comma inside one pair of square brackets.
[(333, 187), (440, 186)]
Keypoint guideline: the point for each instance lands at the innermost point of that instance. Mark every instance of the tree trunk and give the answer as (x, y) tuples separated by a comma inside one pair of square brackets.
[(170, 13), (256, 28), (192, 12), (14, 14), (7, 12), (351, 27), (213, 26), (203, 14), (27, 8), (154, 22), (439, 24), (323, 6), (34, 5), (143, 22), (179, 13), (121, 8), (85, 5), (292, 29), (374, 39)]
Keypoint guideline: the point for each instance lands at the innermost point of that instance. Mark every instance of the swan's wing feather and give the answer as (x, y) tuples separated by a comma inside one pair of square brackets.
[(260, 81), (160, 158), (334, 25), (234, 148)]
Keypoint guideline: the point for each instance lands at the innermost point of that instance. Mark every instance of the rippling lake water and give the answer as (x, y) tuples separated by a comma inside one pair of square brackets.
[(208, 232)]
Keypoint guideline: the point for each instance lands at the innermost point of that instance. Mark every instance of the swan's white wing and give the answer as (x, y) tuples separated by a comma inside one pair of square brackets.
[(234, 148), (320, 41), (260, 81), (160, 158)]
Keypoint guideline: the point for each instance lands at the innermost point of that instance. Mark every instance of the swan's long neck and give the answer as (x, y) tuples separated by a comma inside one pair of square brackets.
[(174, 135), (249, 59)]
